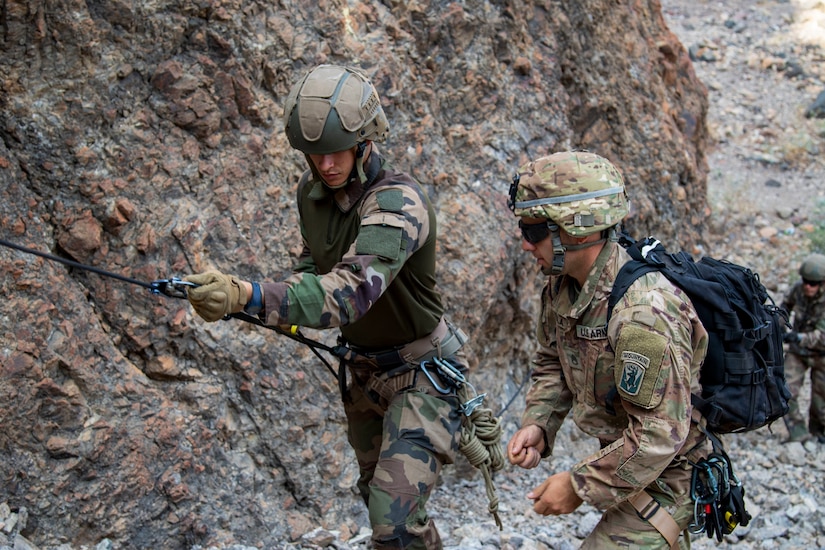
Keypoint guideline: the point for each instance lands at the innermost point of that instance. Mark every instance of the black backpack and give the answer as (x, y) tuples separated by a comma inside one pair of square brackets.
[(743, 375)]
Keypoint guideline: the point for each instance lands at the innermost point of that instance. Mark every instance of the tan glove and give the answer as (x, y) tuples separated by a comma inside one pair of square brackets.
[(217, 295)]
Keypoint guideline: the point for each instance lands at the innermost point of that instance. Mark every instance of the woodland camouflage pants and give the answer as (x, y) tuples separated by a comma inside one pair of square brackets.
[(401, 445)]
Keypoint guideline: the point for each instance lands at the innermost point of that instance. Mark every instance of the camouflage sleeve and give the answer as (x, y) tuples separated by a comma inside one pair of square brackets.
[(654, 333), (549, 399), (394, 225), (815, 339), (789, 302)]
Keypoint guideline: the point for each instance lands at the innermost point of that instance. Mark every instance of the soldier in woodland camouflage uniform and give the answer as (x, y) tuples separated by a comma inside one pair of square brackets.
[(628, 382), (367, 267), (806, 350)]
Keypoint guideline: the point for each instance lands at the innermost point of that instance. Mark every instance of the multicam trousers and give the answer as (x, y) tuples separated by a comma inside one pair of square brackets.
[(623, 527), (795, 368), (401, 444)]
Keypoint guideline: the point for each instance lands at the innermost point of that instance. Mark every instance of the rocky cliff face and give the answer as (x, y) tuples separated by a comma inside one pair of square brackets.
[(144, 138)]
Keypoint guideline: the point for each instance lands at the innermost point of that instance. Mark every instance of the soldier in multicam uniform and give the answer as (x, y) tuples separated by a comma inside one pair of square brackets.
[(806, 302), (628, 382), (368, 268)]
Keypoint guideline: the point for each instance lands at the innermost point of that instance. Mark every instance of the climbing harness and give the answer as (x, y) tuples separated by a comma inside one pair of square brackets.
[(718, 495)]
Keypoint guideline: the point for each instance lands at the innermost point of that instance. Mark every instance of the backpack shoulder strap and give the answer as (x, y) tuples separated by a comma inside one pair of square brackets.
[(628, 274), (645, 254)]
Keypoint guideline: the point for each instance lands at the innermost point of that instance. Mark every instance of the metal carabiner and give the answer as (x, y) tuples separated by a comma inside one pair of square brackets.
[(174, 287), (450, 371), (457, 379), (699, 522), (472, 404), (436, 385)]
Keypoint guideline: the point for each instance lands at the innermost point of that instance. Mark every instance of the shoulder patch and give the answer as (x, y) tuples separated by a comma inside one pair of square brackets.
[(384, 238), (390, 200), (639, 357)]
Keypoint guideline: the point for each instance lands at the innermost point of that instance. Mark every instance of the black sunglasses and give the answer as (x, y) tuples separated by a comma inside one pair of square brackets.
[(534, 233), (810, 282)]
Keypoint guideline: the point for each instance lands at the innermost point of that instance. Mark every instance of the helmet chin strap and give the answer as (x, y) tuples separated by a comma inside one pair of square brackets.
[(558, 252), (360, 149), (559, 249)]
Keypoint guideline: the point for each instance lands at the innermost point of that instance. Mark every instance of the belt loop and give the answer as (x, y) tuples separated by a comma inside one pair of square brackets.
[(437, 343)]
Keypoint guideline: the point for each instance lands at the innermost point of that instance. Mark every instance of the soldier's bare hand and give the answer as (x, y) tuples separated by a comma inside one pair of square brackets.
[(555, 496), (524, 448)]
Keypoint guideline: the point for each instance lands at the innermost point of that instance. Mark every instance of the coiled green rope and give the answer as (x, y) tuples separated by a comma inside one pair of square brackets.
[(481, 443)]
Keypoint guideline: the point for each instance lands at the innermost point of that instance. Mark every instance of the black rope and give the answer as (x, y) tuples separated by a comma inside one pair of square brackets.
[(516, 394), (164, 288), (339, 351), (75, 264)]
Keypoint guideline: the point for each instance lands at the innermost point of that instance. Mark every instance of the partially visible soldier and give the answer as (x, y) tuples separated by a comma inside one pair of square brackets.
[(368, 268), (628, 382), (805, 301)]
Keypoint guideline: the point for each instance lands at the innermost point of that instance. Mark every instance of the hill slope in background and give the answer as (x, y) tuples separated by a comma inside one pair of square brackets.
[(763, 65)]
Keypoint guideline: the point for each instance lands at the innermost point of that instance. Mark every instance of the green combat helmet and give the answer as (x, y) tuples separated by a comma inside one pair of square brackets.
[(579, 192), (813, 268), (331, 109)]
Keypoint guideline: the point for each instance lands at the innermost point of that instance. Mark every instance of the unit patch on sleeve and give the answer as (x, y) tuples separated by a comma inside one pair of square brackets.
[(383, 237), (640, 352), (634, 367)]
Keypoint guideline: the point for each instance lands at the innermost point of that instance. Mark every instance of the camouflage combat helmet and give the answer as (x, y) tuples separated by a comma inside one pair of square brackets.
[(332, 109), (581, 192), (813, 268)]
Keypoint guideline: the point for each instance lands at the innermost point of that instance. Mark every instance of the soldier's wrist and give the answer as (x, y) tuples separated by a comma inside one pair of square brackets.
[(256, 301)]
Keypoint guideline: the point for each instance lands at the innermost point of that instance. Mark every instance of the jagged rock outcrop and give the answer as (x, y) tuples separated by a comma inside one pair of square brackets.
[(144, 138)]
